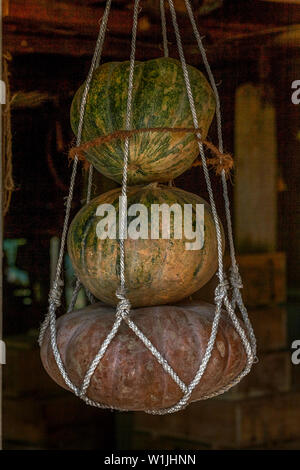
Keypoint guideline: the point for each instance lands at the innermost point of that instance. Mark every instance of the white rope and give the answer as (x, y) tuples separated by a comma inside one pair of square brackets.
[(90, 296), (184, 400), (164, 27), (235, 277), (165, 365), (56, 290), (123, 307), (165, 46), (248, 349), (78, 284), (89, 185)]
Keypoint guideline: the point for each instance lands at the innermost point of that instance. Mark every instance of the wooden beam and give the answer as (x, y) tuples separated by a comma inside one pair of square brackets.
[(66, 16)]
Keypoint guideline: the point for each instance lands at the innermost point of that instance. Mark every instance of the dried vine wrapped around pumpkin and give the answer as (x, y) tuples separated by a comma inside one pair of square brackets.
[(158, 270), (220, 161)]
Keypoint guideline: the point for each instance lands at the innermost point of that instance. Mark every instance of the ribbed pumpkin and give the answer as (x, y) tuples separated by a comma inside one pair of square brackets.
[(128, 375), (158, 271), (159, 100)]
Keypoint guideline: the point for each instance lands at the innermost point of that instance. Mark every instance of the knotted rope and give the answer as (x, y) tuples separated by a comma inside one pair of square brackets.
[(221, 161), (54, 300)]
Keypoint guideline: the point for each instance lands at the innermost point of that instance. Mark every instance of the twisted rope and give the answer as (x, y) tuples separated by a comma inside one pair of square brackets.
[(7, 157), (221, 290), (50, 319), (123, 307), (221, 161), (123, 205), (235, 277)]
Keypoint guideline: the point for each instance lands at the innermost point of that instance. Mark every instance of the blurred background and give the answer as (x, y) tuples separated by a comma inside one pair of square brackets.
[(253, 48)]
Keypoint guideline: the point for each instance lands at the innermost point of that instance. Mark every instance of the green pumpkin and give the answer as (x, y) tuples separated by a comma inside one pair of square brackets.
[(157, 271), (159, 100)]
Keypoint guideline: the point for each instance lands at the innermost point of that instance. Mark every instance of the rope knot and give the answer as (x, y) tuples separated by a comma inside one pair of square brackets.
[(90, 296), (221, 291), (235, 278), (55, 293), (124, 306)]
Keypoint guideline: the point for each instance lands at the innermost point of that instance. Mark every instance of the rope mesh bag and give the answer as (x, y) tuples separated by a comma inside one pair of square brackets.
[(223, 301)]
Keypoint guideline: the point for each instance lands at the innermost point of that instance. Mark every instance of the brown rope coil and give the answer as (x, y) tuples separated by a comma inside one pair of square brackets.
[(7, 157), (220, 161)]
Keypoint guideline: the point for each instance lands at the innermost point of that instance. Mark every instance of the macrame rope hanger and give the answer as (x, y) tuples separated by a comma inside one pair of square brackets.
[(123, 308)]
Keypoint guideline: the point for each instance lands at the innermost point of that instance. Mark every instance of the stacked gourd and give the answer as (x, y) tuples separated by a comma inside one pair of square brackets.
[(159, 272)]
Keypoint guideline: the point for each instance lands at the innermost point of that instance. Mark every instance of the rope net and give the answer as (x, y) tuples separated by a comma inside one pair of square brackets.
[(123, 308)]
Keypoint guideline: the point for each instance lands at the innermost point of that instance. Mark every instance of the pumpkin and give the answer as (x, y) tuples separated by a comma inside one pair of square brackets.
[(159, 100), (128, 376), (157, 271)]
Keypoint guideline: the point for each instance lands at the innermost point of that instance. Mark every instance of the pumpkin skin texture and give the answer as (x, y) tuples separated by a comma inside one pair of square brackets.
[(128, 376), (157, 271), (159, 100)]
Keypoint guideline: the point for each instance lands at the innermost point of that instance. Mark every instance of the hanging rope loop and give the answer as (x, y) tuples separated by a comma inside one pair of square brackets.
[(90, 296), (221, 290), (123, 308)]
